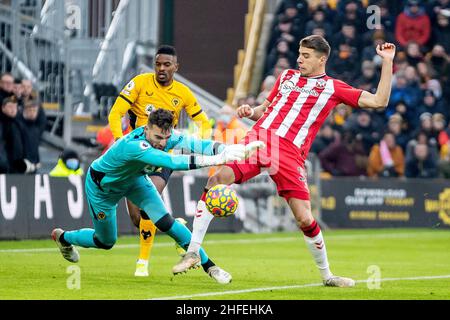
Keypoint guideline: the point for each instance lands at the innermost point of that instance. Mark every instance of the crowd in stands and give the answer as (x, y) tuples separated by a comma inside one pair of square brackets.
[(22, 122), (411, 138)]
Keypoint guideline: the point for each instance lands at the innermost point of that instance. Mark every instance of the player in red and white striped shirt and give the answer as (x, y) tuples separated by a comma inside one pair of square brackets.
[(288, 122)]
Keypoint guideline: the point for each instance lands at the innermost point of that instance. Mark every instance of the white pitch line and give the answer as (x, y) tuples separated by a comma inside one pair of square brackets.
[(223, 293), (246, 241)]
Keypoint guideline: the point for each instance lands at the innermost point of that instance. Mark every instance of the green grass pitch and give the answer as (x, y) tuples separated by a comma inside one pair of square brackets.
[(409, 263)]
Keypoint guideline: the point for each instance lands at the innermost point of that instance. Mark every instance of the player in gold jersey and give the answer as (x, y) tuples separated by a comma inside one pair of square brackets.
[(139, 97)]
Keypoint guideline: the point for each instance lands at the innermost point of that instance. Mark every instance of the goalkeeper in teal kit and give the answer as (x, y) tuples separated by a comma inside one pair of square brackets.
[(122, 172)]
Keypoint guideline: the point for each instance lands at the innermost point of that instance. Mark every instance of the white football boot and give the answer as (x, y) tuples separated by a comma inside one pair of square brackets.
[(340, 282), (220, 275), (69, 252)]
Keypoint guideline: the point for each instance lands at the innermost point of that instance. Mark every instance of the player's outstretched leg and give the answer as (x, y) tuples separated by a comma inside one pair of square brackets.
[(68, 251), (315, 243)]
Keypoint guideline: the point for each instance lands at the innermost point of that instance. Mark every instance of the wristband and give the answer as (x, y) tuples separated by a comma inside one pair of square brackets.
[(253, 113)]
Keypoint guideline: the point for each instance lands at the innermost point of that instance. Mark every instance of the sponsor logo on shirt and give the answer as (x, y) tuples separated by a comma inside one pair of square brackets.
[(144, 145), (288, 86), (149, 108)]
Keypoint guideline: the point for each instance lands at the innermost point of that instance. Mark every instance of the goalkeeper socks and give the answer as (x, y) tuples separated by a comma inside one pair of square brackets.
[(316, 245), (83, 238), (147, 230), (208, 264), (200, 226), (181, 234)]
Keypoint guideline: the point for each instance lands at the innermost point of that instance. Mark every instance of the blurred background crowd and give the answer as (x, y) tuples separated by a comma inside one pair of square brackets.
[(410, 138)]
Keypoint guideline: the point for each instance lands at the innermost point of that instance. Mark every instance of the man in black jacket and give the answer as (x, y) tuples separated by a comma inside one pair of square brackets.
[(33, 121), (12, 135)]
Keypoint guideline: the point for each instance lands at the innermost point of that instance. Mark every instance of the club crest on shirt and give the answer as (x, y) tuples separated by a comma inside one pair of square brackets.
[(101, 215), (321, 83), (149, 108), (175, 101)]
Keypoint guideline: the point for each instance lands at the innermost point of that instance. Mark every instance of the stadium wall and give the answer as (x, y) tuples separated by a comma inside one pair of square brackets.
[(385, 203), (31, 206)]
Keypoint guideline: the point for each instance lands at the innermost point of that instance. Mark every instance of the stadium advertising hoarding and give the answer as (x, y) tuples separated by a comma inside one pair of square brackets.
[(31, 206), (385, 203)]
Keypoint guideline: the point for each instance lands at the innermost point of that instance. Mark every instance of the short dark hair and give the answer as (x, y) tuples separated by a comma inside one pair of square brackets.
[(162, 119), (166, 49), (318, 43), (10, 99)]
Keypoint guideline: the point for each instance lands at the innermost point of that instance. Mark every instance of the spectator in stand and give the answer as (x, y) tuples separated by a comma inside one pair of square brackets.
[(413, 24), (422, 137), (319, 31), (352, 14), (369, 77), (325, 6), (435, 7), (400, 61), (69, 163), (18, 93), (442, 31), (281, 50), (437, 126), (3, 155), (33, 126), (347, 35), (266, 87), (283, 30), (413, 53), (361, 125), (6, 86), (344, 62), (425, 127), (12, 135), (319, 21), (339, 116), (431, 105), (325, 137), (422, 164), (396, 127), (439, 61), (281, 65), (344, 157), (386, 159), (403, 91), (28, 92), (369, 52), (301, 7), (387, 19), (298, 18)]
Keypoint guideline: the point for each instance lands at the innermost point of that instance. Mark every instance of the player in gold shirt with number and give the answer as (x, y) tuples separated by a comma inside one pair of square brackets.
[(139, 97)]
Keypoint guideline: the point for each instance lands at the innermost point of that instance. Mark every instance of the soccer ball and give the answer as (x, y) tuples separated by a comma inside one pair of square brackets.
[(221, 201)]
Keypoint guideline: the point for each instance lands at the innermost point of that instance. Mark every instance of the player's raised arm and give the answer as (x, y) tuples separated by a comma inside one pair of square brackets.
[(381, 97)]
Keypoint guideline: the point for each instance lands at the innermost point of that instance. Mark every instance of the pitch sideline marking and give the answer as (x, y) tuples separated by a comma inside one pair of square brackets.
[(209, 294), (238, 241)]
